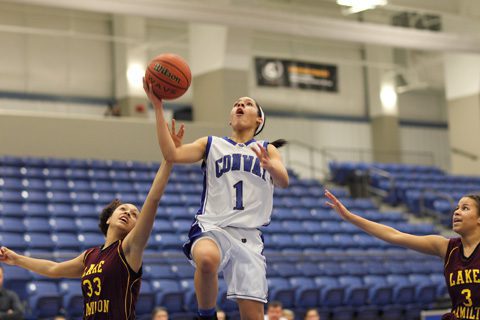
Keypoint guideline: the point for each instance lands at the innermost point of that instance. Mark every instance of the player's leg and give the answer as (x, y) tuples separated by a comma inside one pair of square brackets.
[(245, 274), (206, 255), (250, 309)]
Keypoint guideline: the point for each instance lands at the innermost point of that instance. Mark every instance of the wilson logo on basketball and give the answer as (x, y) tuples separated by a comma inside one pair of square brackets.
[(159, 68)]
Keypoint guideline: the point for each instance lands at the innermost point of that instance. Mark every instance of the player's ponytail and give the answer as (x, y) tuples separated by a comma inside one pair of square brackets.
[(279, 143)]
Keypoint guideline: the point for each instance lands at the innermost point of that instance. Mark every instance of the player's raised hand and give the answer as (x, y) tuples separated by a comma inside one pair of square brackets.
[(177, 137), (156, 101), (335, 204), (7, 256), (262, 155)]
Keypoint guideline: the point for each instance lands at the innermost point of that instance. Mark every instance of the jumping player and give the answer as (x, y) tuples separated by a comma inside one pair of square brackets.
[(461, 255), (110, 274), (239, 176)]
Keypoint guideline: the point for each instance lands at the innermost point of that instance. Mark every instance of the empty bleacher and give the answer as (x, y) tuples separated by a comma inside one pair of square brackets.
[(49, 208)]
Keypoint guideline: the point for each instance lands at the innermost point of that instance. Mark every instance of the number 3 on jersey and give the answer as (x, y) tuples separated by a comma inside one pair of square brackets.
[(238, 195)]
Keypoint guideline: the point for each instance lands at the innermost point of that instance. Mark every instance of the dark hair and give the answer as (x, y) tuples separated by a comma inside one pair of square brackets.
[(277, 143), (476, 198), (259, 113), (275, 304), (107, 213)]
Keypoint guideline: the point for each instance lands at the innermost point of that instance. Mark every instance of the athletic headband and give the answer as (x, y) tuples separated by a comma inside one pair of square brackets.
[(261, 125)]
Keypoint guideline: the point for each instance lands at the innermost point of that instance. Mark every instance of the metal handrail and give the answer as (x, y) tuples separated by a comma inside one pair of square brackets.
[(464, 153), (320, 168), (443, 195), (385, 174)]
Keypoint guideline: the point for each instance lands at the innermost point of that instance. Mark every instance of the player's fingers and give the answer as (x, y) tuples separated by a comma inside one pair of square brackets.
[(173, 126), (331, 205), (257, 153), (181, 131)]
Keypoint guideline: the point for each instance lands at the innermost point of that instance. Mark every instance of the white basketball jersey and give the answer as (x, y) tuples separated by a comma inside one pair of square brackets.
[(237, 191)]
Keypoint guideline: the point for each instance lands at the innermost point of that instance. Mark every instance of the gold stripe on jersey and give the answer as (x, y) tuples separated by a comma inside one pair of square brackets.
[(449, 256), (86, 253), (131, 293), (128, 279)]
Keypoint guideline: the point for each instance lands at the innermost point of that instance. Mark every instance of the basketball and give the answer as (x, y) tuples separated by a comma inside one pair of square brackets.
[(169, 75)]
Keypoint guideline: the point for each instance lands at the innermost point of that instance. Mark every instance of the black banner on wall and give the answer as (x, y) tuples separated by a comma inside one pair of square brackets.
[(273, 72)]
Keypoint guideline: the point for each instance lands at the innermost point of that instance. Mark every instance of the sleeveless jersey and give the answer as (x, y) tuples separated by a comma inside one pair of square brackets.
[(462, 276), (110, 287), (237, 191)]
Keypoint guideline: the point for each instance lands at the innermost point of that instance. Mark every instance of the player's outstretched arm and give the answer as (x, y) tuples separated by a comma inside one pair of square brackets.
[(67, 269), (135, 242), (431, 244), (271, 161), (188, 153)]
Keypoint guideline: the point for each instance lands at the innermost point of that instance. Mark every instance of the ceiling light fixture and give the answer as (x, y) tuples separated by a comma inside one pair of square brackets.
[(360, 5)]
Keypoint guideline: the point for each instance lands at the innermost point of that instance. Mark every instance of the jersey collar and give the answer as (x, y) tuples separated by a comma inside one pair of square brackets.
[(234, 143)]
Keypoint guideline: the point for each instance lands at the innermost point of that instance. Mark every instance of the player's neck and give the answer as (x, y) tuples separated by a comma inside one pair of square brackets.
[(241, 136), (470, 242), (110, 238)]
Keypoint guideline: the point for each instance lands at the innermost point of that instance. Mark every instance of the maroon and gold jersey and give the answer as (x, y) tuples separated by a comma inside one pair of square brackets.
[(110, 287), (463, 280)]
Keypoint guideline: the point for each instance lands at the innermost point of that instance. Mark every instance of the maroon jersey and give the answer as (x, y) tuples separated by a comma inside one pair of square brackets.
[(110, 287), (463, 280)]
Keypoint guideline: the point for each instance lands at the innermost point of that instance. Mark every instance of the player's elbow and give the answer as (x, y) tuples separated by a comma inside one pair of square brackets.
[(282, 183), (170, 157)]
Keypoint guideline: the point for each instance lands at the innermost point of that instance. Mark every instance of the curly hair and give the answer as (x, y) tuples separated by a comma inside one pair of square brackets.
[(476, 198), (107, 213)]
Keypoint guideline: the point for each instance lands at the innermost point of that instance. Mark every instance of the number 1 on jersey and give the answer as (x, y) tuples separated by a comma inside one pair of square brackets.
[(238, 195)]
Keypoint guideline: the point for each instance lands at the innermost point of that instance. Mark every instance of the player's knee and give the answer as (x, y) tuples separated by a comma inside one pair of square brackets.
[(207, 263)]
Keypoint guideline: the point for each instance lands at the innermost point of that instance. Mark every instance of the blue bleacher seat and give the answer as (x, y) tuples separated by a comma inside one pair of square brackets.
[(307, 294), (332, 293), (425, 289), (72, 297), (37, 240), (168, 241), (282, 241), (380, 291), (36, 210), (85, 211), (281, 290), (159, 271), (87, 224), (62, 224), (162, 225), (61, 210), (44, 299), (12, 224), (146, 299), (181, 225), (168, 293), (90, 239), (66, 241), (403, 289), (16, 279), (14, 241), (293, 226), (286, 269), (304, 241), (36, 225), (356, 292)]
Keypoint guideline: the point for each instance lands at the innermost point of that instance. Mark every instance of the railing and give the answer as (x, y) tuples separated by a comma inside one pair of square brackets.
[(424, 210), (312, 162), (464, 153), (384, 174), (315, 169)]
